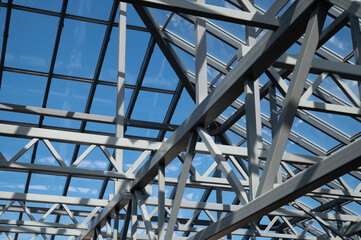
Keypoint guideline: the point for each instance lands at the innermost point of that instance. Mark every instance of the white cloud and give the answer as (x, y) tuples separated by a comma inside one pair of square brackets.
[(172, 168), (188, 196), (266, 132), (83, 190), (337, 42), (48, 160), (34, 61), (38, 187), (197, 161), (298, 122), (93, 164), (12, 186)]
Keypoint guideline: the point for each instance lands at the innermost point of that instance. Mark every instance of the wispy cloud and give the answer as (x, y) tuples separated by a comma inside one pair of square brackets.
[(188, 196), (38, 187), (172, 168), (83, 190), (12, 186), (266, 132), (337, 42), (197, 161), (33, 61), (97, 164), (298, 122), (47, 160)]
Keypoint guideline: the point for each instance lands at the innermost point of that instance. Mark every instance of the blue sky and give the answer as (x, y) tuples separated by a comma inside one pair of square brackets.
[(30, 47)]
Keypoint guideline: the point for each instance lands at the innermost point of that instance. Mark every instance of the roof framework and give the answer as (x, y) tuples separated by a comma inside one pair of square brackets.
[(256, 136)]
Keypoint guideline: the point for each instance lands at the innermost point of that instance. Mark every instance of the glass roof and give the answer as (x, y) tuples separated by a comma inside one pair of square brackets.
[(59, 72)]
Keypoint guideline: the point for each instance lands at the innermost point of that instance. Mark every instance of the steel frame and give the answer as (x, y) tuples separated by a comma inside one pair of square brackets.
[(273, 189)]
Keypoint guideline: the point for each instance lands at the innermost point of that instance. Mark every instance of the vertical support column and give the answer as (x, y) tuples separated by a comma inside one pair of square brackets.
[(200, 58), (356, 42), (119, 132), (253, 122), (116, 224), (218, 174), (108, 228), (161, 200), (274, 120), (181, 186), (127, 219), (134, 218), (218, 193), (293, 97)]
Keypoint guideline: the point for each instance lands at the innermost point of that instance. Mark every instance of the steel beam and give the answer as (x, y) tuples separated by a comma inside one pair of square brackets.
[(211, 11), (328, 169), (293, 97), (268, 49)]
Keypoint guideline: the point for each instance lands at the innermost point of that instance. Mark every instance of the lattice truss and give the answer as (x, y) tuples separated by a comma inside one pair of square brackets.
[(255, 134)]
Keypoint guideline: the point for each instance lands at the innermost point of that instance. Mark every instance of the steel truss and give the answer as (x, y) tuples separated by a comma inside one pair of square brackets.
[(274, 191)]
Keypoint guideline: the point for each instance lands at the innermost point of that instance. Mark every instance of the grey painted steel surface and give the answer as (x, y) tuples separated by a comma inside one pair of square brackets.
[(280, 177)]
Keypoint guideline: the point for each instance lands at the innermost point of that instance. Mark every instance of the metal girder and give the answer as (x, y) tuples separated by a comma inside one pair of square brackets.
[(300, 176), (211, 107), (328, 169), (292, 99), (351, 6), (211, 11), (318, 66)]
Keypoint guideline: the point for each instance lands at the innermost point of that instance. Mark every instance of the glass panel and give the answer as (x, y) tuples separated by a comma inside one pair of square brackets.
[(45, 184), (51, 5), (159, 73), (79, 48), (31, 40), (22, 89), (99, 9), (156, 106), (136, 45)]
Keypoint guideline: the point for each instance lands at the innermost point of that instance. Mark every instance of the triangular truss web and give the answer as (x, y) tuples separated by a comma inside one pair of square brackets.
[(161, 119)]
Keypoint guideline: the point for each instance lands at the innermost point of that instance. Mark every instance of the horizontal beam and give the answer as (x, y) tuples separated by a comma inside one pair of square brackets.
[(330, 108), (30, 197), (200, 182), (82, 213), (270, 47), (132, 144), (351, 6), (318, 66), (231, 208), (40, 230), (211, 11), (343, 161), (83, 116), (77, 138), (42, 224)]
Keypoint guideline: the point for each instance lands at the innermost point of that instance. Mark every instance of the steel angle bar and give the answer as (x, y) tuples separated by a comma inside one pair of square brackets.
[(328, 169), (292, 99), (318, 66), (330, 108), (40, 230), (117, 202), (211, 11), (266, 50), (351, 6), (83, 116), (181, 185)]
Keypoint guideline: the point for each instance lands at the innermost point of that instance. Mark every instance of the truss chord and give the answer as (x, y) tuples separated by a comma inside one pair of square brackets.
[(181, 185), (318, 178), (292, 98)]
